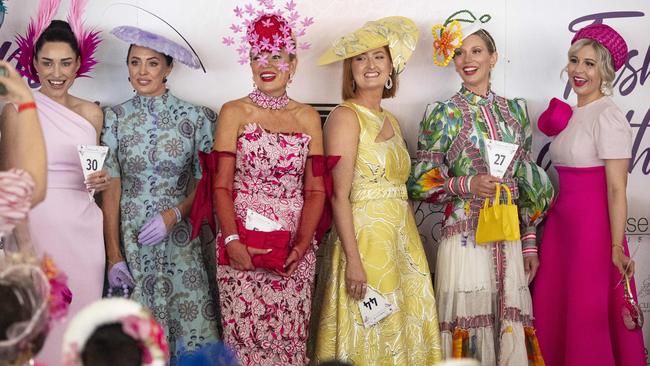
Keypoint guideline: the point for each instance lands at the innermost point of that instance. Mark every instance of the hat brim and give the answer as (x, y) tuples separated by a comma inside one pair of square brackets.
[(158, 43), (399, 34)]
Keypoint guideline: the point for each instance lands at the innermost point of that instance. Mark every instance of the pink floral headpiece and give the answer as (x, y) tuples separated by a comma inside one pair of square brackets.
[(44, 291), (88, 40), (137, 322), (268, 29)]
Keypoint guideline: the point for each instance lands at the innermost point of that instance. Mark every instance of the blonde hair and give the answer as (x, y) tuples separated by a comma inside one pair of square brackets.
[(604, 62), (348, 89)]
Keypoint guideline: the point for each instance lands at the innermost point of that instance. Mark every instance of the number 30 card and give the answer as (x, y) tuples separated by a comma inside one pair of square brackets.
[(92, 160)]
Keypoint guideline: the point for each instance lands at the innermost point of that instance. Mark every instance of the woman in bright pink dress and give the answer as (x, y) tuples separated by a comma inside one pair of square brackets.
[(578, 293)]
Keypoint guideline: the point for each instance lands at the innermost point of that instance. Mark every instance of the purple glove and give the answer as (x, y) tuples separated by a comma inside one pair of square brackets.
[(153, 232), (119, 275)]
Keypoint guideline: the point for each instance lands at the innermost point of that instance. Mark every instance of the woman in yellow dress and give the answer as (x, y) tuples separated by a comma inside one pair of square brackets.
[(376, 245)]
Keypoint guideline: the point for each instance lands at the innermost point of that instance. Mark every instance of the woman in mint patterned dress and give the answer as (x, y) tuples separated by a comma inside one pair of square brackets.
[(154, 139), (484, 305)]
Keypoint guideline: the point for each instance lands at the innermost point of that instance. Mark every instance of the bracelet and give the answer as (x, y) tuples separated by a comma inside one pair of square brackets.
[(26, 106), (177, 212), (230, 238)]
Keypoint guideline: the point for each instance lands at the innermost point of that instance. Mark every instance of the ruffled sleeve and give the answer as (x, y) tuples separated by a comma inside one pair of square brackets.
[(430, 178), (535, 188), (109, 138), (613, 135)]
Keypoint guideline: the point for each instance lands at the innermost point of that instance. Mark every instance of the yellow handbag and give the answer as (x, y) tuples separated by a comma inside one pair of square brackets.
[(500, 221)]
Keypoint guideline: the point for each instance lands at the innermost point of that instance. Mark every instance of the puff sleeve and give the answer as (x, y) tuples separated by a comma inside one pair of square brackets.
[(431, 179)]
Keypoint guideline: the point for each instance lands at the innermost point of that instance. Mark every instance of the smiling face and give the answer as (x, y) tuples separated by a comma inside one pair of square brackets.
[(56, 65), (473, 62), (271, 73), (371, 69), (147, 71), (584, 74)]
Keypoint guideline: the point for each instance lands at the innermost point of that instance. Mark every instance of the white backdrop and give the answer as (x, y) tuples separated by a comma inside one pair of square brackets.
[(532, 38)]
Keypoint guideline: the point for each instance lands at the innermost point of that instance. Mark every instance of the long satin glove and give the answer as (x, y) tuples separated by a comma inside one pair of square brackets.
[(156, 230), (119, 275)]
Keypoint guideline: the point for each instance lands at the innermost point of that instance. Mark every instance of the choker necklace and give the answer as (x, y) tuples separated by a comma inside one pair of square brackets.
[(269, 102)]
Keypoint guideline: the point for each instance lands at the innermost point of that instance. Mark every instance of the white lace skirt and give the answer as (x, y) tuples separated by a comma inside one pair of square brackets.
[(482, 292)]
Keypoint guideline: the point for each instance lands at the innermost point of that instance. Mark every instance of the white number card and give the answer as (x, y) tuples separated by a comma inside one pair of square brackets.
[(92, 160), (500, 155), (374, 307), (257, 222)]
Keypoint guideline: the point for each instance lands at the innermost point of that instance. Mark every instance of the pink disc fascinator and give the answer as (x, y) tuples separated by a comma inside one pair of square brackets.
[(40, 289), (608, 38), (87, 39), (136, 321), (555, 118), (158, 43), (449, 36), (267, 28)]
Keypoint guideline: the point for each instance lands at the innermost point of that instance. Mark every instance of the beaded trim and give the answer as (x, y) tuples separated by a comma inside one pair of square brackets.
[(267, 101)]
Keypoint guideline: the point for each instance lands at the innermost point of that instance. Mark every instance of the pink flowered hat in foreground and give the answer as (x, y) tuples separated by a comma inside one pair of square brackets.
[(137, 322), (555, 118), (608, 38)]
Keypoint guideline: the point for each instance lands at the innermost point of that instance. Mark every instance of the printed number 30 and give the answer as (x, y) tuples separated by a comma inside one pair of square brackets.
[(92, 164), (499, 159)]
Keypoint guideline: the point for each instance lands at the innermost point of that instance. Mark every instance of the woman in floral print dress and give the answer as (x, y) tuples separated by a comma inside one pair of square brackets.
[(153, 141), (268, 149), (484, 305)]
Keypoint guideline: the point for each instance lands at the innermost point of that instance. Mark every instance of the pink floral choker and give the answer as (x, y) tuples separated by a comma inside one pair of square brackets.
[(267, 101)]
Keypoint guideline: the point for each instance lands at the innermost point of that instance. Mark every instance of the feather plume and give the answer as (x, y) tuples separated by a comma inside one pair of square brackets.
[(88, 39), (46, 11)]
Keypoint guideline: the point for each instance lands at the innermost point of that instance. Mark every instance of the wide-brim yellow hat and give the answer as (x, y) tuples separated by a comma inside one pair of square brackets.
[(400, 34)]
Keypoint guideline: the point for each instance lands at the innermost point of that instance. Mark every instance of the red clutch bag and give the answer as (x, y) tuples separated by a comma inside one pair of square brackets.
[(278, 241)]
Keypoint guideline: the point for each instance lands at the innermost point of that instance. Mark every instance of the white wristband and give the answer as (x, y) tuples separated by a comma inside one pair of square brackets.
[(177, 212), (230, 238)]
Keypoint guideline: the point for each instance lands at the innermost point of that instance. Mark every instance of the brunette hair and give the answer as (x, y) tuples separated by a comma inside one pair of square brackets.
[(168, 59), (109, 345), (57, 31)]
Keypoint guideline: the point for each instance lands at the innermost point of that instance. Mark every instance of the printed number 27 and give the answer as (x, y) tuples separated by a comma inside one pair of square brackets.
[(92, 164), (499, 159)]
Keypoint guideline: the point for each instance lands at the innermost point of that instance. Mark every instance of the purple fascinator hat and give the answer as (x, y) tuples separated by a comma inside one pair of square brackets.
[(158, 43)]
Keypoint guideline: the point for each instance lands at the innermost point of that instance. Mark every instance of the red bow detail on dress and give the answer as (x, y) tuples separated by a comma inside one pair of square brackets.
[(322, 166), (202, 204)]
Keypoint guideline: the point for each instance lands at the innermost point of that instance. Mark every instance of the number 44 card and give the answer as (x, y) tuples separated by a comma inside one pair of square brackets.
[(374, 307), (92, 160), (500, 156)]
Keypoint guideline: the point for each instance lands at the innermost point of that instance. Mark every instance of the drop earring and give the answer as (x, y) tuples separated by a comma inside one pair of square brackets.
[(389, 82)]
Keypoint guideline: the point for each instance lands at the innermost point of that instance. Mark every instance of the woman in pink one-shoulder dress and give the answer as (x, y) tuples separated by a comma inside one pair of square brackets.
[(67, 225)]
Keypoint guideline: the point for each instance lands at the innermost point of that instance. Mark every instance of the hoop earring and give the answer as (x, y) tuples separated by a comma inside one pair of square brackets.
[(389, 83)]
